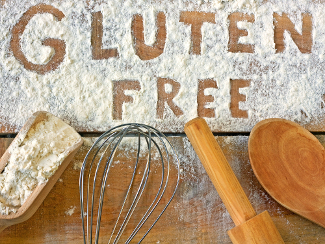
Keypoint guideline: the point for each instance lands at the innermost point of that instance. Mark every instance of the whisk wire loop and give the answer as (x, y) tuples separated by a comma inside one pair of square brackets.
[(103, 152), (104, 180), (138, 193)]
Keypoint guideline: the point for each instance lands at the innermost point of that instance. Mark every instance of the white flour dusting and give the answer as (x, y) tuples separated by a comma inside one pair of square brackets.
[(77, 165), (70, 211), (288, 85), (33, 160)]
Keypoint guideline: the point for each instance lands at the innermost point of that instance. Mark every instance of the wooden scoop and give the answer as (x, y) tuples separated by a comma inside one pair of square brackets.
[(32, 203), (289, 162), (250, 228)]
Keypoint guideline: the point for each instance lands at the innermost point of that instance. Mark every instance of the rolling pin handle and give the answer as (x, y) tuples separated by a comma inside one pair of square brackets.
[(219, 171), (250, 228)]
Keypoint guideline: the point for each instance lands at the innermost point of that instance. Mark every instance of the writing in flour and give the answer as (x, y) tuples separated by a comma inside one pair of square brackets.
[(33, 160), (101, 64)]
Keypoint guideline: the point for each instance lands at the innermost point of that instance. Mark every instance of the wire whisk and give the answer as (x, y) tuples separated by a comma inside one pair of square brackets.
[(99, 168)]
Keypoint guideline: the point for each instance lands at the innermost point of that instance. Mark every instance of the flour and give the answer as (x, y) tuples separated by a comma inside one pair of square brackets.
[(244, 25), (77, 165), (70, 211), (289, 85), (33, 160)]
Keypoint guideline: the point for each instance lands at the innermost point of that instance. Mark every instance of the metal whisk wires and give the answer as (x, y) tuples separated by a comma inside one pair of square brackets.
[(94, 175)]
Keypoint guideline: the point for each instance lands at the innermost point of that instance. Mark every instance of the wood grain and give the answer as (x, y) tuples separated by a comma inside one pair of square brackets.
[(196, 215), (237, 97), (282, 23), (250, 228), (290, 164), (40, 192), (193, 19), (219, 171), (235, 33), (203, 100), (167, 98), (119, 96), (146, 52), (97, 39), (259, 229), (58, 45)]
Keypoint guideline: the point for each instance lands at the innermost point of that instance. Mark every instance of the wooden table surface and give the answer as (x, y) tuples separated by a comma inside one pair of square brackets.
[(196, 215)]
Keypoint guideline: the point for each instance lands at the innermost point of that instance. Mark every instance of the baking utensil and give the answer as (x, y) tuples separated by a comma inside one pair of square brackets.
[(289, 162), (250, 228), (96, 170), (40, 192)]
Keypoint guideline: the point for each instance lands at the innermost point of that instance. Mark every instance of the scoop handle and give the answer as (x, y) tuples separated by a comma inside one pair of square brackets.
[(3, 226), (219, 171)]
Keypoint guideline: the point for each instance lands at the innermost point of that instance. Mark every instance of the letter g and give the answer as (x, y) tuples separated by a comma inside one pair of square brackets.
[(58, 45)]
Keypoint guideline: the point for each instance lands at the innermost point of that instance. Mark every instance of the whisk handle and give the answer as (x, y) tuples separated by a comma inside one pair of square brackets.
[(219, 171)]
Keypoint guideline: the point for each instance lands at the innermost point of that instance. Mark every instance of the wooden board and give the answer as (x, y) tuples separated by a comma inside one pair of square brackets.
[(196, 215)]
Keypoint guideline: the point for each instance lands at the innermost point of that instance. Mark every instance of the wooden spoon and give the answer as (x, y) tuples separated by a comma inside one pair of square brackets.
[(32, 203), (289, 162)]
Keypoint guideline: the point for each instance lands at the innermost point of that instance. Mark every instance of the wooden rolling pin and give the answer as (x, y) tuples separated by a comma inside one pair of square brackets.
[(250, 228)]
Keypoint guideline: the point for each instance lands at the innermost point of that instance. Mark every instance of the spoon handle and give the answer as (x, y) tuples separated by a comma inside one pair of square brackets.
[(219, 171)]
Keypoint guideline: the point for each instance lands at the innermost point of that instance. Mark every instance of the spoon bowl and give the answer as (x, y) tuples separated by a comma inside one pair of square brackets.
[(289, 162)]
